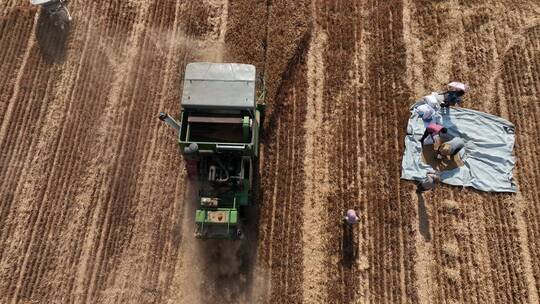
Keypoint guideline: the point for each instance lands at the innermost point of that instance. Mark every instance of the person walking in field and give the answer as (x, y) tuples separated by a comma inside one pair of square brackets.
[(351, 218), (433, 130), (349, 246), (428, 183), (451, 147)]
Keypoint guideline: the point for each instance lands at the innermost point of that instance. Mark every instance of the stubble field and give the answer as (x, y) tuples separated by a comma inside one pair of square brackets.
[(95, 206)]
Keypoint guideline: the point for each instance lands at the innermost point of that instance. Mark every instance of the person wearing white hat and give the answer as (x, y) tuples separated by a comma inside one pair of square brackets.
[(454, 93)]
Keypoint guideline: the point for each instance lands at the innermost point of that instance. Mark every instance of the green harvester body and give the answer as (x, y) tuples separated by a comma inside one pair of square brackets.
[(219, 131)]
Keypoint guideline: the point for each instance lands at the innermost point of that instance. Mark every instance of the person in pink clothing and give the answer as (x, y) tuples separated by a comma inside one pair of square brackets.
[(433, 130), (351, 218)]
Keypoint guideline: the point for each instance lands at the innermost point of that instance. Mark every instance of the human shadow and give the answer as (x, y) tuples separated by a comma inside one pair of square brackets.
[(423, 219), (349, 246), (51, 38)]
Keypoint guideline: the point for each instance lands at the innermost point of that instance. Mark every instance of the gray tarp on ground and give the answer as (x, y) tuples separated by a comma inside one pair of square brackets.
[(488, 158)]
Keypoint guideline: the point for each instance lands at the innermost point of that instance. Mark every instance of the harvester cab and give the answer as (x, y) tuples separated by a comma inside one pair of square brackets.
[(218, 133)]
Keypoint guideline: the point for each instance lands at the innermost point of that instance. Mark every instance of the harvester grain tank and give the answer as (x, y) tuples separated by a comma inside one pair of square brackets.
[(218, 133)]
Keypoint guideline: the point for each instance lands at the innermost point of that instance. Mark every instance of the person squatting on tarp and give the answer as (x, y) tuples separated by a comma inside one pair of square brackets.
[(431, 101), (433, 130), (451, 147), (428, 183), (454, 94), (428, 111), (451, 98), (350, 217)]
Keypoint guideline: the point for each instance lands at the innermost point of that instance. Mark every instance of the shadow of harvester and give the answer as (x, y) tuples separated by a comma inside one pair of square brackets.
[(51, 38)]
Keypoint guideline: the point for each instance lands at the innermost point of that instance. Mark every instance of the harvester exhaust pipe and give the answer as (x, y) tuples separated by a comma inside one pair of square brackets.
[(166, 118)]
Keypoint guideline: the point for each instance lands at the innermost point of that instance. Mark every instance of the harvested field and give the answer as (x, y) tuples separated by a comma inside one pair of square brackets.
[(95, 206)]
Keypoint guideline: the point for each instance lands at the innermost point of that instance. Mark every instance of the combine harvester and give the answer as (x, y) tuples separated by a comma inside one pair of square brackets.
[(218, 133)]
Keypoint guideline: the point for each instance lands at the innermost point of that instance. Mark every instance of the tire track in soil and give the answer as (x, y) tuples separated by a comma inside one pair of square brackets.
[(15, 49), (339, 22), (424, 262), (415, 58), (165, 287), (43, 248), (108, 39), (71, 130), (473, 245), (75, 129), (270, 205), (346, 182), (520, 80), (29, 118), (506, 261), (121, 201), (286, 245), (524, 243), (90, 194), (315, 166), (215, 271), (166, 244), (11, 172), (391, 215), (451, 253), (11, 103), (388, 72), (360, 127), (284, 74), (152, 212), (284, 257), (478, 47), (504, 37)]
